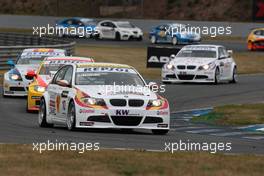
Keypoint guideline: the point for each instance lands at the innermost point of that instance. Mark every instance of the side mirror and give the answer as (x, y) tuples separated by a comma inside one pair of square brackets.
[(11, 63), (30, 74), (63, 83)]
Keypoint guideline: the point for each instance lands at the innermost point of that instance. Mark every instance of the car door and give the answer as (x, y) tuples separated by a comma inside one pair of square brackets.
[(64, 92), (107, 30), (53, 92), (223, 63)]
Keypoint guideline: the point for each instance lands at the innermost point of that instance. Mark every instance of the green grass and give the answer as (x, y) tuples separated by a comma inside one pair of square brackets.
[(235, 115), (19, 160)]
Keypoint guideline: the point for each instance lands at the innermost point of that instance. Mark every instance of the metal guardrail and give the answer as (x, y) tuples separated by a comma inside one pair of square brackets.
[(12, 44)]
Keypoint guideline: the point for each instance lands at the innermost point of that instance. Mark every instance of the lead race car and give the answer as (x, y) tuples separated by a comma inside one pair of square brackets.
[(201, 63), (102, 95), (44, 75), (15, 81)]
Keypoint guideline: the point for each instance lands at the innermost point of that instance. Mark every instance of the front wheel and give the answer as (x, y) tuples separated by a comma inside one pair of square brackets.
[(71, 117), (174, 41), (153, 39), (42, 116), (217, 76), (117, 36), (160, 132), (234, 77)]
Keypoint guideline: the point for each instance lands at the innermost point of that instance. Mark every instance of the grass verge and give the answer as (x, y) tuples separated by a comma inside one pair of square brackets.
[(235, 115), (21, 160)]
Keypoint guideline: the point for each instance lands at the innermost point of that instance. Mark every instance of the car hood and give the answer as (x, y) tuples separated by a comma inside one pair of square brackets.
[(192, 61), (23, 69), (106, 92)]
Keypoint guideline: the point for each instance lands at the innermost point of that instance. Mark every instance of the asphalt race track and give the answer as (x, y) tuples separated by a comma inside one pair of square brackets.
[(17, 126)]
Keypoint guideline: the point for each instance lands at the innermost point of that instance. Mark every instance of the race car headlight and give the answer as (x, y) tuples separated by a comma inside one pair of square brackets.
[(15, 75), (94, 101), (39, 88), (155, 103), (207, 66), (170, 66)]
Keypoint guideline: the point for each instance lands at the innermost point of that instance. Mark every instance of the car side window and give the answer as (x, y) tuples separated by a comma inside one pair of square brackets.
[(221, 52), (59, 75), (69, 22), (104, 24), (68, 74)]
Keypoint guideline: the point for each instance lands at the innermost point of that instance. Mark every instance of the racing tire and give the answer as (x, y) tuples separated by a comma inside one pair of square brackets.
[(117, 36), (234, 77), (42, 116), (140, 38), (217, 76), (153, 39), (174, 41), (160, 132), (71, 117)]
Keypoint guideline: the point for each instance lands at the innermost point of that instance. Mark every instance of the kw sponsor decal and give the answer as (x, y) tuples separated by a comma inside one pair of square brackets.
[(122, 112)]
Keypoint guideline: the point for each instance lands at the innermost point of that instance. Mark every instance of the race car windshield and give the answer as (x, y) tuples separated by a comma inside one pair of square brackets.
[(31, 60), (125, 25), (197, 53), (47, 69), (108, 78), (89, 22)]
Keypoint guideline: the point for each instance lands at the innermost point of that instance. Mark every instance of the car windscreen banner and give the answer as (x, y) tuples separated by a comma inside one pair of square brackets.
[(158, 56), (258, 10)]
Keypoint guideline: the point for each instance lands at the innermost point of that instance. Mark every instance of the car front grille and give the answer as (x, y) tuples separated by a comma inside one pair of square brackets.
[(99, 118), (118, 102), (123, 102), (191, 67), (135, 103), (150, 119), (186, 77), (17, 89), (201, 77), (181, 67), (171, 76), (127, 120)]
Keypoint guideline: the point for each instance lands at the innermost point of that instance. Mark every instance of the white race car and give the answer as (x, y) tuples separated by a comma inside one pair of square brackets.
[(118, 30), (15, 81), (201, 63), (102, 95)]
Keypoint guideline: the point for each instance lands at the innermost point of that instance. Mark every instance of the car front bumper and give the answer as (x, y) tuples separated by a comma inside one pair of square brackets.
[(137, 119), (188, 76)]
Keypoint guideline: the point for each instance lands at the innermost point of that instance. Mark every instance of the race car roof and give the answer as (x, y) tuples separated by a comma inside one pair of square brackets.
[(88, 59), (101, 64), (43, 50), (40, 52), (201, 47)]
